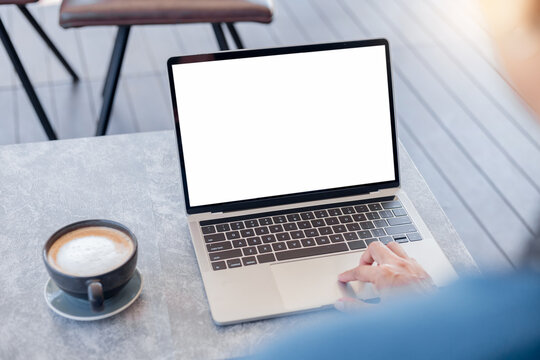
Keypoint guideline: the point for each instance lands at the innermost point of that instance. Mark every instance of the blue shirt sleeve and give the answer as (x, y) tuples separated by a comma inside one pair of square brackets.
[(484, 318)]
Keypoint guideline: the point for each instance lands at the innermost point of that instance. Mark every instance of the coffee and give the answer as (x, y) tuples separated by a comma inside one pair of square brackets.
[(90, 251)]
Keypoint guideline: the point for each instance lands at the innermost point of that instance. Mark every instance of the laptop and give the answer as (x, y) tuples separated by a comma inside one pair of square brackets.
[(289, 164)]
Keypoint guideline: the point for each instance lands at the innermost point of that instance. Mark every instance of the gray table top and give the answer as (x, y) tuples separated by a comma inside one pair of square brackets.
[(133, 179)]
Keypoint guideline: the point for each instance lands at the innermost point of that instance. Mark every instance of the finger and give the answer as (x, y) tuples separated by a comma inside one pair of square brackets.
[(381, 253), (366, 258), (397, 249), (347, 304), (365, 273)]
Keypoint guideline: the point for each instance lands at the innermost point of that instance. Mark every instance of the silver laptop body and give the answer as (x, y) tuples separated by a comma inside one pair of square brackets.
[(289, 168)]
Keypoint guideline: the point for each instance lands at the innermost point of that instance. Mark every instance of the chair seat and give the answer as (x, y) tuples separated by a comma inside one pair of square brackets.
[(77, 13), (16, 2)]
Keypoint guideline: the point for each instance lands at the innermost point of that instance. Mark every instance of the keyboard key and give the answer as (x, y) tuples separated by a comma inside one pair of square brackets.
[(373, 216), (250, 251), (364, 234), (311, 232), (414, 236), (254, 241), (266, 258), (359, 217), (223, 227), (251, 223), (321, 214), (237, 225), (311, 251), (293, 217), (361, 208), (214, 237), (401, 229), (283, 236), (279, 246), (399, 221), (369, 241), (275, 228), (380, 223), (234, 263), (266, 221), (304, 225), (386, 239), (347, 210), (378, 232), (268, 239), (335, 212), (220, 265), (294, 244), (290, 227), (307, 215), (357, 245), (317, 223), (366, 225), (210, 229), (375, 207), (331, 221), (325, 230), (400, 239), (239, 243), (262, 231), (264, 249), (399, 212), (249, 261), (233, 235), (297, 234), (339, 228), (345, 219), (308, 242), (350, 236), (247, 233), (336, 238), (386, 214), (279, 219), (223, 255), (322, 240), (353, 227), (225, 245), (391, 205)]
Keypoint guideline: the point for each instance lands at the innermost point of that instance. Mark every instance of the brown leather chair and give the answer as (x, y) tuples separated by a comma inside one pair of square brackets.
[(126, 13), (21, 72)]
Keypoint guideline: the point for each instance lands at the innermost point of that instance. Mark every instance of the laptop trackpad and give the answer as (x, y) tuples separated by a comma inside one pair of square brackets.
[(313, 283)]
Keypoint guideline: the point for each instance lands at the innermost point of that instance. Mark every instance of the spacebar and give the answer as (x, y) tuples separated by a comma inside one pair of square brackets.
[(311, 251)]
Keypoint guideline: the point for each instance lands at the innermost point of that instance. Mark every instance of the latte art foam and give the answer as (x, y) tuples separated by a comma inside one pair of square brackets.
[(90, 251)]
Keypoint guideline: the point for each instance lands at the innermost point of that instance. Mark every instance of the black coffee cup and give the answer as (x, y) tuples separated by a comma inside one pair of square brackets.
[(94, 288)]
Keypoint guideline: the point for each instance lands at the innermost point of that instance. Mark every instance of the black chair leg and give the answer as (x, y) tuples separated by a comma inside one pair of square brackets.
[(220, 36), (111, 80), (26, 82), (235, 36), (48, 41)]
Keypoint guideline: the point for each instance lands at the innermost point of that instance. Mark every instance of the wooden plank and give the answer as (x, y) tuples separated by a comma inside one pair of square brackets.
[(7, 117), (478, 198), (137, 60), (96, 44), (162, 43), (29, 46), (196, 38), (65, 41), (255, 35), (481, 247), (152, 114), (478, 126), (74, 115), (6, 68)]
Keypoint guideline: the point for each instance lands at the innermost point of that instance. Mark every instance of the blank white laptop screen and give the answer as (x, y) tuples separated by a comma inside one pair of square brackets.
[(284, 124)]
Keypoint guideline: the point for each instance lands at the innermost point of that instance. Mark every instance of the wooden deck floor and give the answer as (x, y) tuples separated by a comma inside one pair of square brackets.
[(470, 135)]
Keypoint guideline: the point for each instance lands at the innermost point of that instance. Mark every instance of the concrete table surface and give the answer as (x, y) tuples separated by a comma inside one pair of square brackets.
[(133, 179)]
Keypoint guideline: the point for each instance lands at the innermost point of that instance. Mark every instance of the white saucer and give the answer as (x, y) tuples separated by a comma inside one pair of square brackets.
[(79, 309)]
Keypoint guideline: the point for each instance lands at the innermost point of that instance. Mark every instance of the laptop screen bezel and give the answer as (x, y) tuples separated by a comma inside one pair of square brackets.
[(289, 198)]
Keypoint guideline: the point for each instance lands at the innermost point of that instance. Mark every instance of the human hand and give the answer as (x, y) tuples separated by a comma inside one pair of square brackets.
[(394, 269)]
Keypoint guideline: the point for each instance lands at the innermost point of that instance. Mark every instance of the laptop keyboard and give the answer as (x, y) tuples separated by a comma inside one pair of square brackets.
[(300, 233)]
